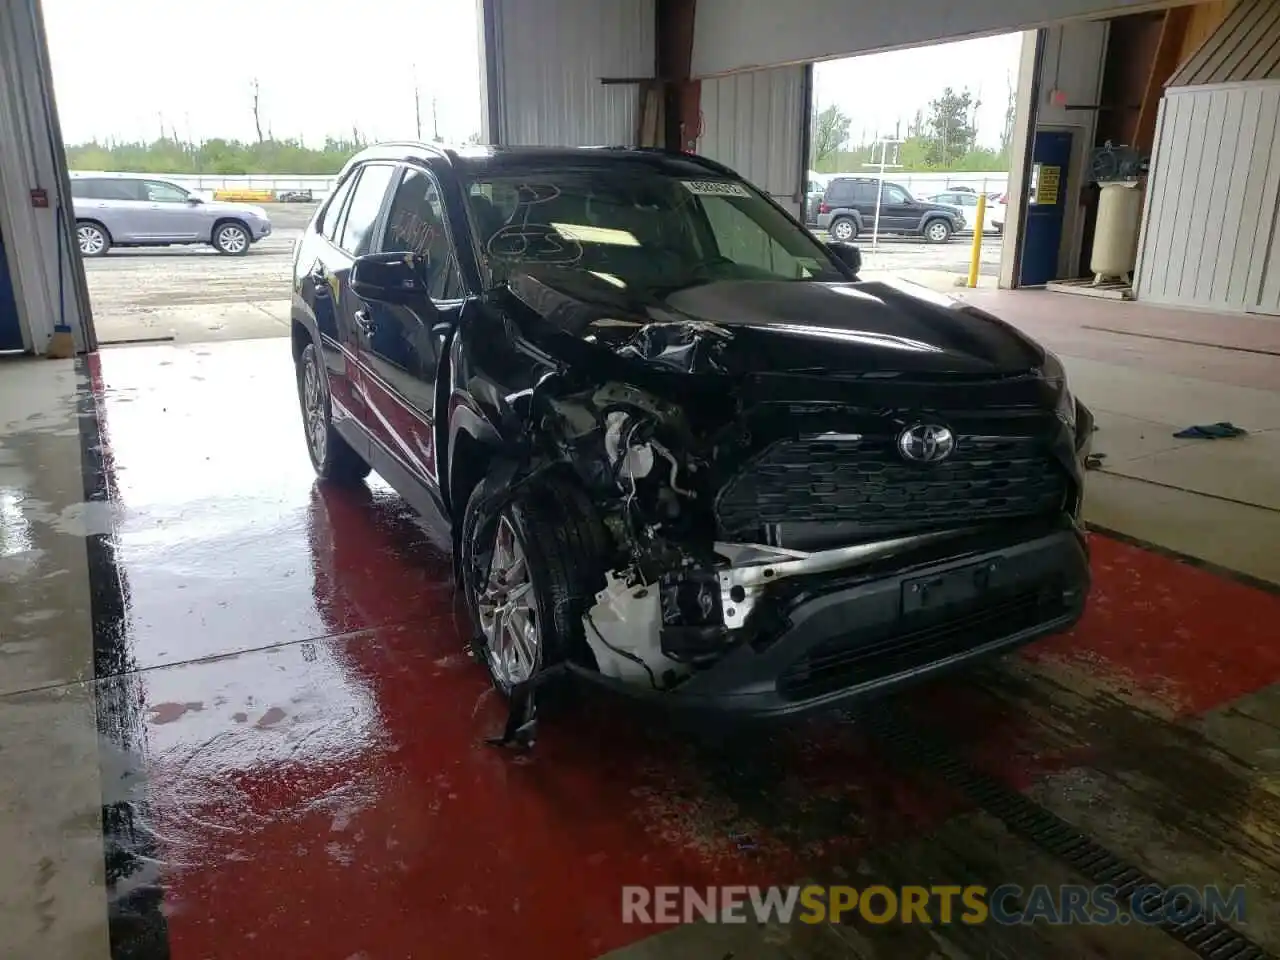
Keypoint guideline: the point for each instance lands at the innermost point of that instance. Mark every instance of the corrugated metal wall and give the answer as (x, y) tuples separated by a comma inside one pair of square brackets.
[(1210, 218), (754, 122), (551, 55), (732, 35), (1245, 46)]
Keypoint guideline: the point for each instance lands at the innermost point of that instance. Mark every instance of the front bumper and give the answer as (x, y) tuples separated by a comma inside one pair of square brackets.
[(260, 230), (849, 642)]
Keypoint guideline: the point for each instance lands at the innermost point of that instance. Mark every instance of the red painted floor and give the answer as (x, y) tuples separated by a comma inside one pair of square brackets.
[(306, 729)]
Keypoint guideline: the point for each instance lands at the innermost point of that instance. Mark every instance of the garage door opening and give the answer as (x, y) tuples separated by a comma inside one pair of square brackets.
[(901, 172), (192, 181)]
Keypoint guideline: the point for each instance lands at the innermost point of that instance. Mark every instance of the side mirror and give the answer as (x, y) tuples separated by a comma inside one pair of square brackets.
[(194, 200), (399, 278), (847, 254)]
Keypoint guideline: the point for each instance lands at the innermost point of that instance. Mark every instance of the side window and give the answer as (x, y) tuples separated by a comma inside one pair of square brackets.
[(159, 192), (112, 189), (362, 212), (416, 223), (865, 193), (332, 216), (894, 194)]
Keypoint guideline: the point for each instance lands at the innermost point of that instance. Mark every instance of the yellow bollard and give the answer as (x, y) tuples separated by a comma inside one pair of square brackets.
[(976, 259)]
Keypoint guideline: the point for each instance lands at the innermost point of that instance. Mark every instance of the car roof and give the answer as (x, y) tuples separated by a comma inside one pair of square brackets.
[(104, 175), (478, 160), (861, 180)]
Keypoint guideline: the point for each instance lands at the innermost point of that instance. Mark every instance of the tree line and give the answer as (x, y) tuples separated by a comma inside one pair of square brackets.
[(169, 154), (942, 136)]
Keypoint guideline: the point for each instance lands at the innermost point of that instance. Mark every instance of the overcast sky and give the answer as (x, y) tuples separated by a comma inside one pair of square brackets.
[(322, 66), (877, 91), (124, 67)]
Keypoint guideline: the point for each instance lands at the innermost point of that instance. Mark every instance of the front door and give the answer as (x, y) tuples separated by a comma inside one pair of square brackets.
[(897, 211), (401, 348), (1046, 207), (167, 214)]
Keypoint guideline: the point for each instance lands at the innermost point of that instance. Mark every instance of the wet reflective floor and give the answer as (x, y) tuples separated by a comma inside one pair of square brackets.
[(237, 719)]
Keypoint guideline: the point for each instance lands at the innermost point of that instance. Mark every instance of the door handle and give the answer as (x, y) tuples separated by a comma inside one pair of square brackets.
[(365, 322)]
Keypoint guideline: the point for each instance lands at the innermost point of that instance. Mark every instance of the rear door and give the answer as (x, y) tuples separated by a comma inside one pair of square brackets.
[(401, 349), (354, 237), (322, 269), (112, 201), (864, 201)]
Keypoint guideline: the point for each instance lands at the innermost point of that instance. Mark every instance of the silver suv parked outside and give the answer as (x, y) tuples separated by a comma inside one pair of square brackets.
[(121, 210)]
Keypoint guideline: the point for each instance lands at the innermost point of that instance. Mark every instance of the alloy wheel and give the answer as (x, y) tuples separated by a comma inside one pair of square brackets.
[(313, 412), (937, 231), (506, 608), (91, 240), (232, 239), (842, 230)]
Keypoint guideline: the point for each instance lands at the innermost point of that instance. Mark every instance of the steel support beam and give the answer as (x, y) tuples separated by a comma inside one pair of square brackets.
[(682, 94)]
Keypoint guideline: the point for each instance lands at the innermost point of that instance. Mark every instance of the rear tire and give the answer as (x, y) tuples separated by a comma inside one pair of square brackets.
[(937, 231), (331, 456), (92, 239), (843, 229)]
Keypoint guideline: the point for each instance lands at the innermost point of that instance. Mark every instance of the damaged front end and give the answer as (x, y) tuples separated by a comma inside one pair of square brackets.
[(765, 545)]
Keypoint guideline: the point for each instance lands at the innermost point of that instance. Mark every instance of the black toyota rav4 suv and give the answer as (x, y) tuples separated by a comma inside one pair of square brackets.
[(673, 442)]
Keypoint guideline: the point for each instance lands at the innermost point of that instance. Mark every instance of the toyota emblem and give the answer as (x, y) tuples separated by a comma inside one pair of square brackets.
[(926, 443)]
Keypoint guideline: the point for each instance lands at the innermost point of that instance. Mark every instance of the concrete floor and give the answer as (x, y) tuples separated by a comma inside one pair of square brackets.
[(236, 717), (193, 294)]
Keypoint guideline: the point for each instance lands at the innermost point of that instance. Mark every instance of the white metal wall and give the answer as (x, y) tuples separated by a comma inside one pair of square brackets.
[(1211, 206), (49, 287), (550, 56), (731, 35), (754, 122)]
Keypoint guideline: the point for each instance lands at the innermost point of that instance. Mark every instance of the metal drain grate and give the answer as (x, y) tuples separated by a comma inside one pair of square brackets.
[(1057, 837)]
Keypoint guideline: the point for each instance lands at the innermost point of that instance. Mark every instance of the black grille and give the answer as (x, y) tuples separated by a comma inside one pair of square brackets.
[(843, 662), (867, 484)]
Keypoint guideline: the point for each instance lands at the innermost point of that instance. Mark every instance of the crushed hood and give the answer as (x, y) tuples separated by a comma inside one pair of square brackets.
[(743, 327)]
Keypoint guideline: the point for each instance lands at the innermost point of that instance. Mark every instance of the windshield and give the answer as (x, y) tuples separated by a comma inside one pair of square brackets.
[(637, 229)]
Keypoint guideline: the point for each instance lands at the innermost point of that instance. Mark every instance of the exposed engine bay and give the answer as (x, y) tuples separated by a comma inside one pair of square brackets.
[(660, 612)]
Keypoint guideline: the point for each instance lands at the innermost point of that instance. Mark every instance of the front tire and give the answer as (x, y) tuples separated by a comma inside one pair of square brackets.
[(528, 574), (937, 231), (92, 239), (231, 239), (331, 456), (843, 229)]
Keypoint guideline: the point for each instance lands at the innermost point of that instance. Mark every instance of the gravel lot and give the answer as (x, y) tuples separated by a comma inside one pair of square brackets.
[(193, 294)]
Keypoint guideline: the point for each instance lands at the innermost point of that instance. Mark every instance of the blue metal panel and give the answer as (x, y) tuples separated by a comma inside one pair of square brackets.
[(1047, 207), (10, 330)]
